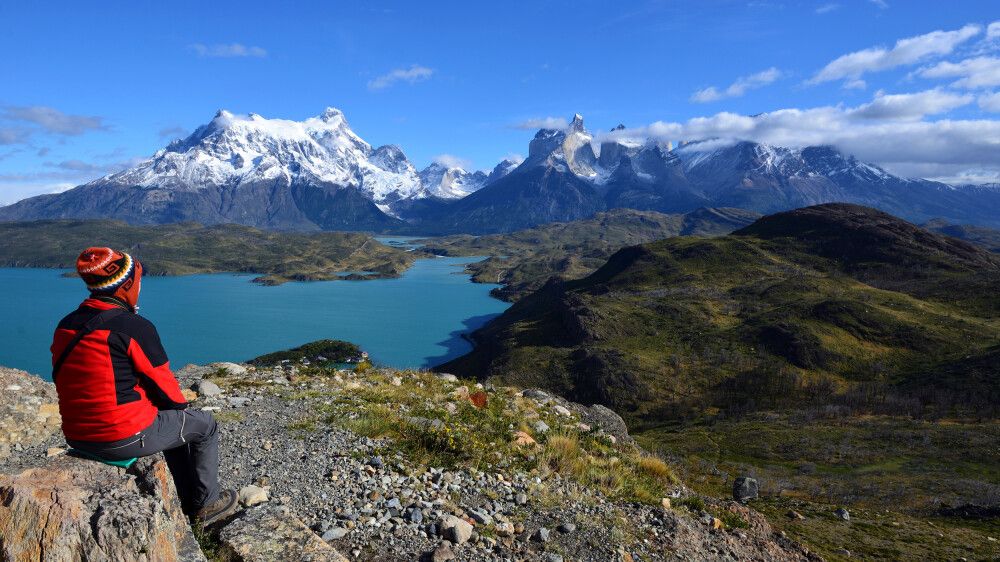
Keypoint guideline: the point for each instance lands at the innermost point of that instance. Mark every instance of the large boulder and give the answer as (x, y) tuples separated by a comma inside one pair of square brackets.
[(272, 534), (29, 410), (745, 489), (77, 509)]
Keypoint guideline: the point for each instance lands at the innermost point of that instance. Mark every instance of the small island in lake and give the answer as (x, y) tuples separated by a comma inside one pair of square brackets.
[(321, 352)]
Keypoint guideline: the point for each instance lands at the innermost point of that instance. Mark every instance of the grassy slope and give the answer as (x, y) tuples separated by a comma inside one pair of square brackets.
[(525, 259), (178, 249), (688, 323), (988, 238), (798, 350)]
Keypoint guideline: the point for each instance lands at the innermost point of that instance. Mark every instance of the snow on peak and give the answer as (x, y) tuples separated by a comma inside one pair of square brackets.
[(233, 149), (570, 148), (331, 113), (451, 182)]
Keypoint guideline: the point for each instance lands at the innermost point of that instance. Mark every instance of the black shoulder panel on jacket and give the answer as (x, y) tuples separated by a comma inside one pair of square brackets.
[(125, 379), (144, 334)]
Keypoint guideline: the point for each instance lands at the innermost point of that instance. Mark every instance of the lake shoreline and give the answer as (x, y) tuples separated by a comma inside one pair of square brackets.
[(417, 320)]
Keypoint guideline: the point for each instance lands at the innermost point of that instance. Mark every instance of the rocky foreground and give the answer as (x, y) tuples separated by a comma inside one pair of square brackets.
[(370, 465)]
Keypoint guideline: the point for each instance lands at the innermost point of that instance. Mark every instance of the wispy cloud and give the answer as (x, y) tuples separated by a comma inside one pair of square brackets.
[(993, 30), (411, 75), (79, 166), (59, 176), (977, 72), (990, 102), (890, 129), (908, 51), (171, 132), (229, 50), (52, 120), (827, 8), (880, 3), (14, 135), (737, 88), (910, 106), (542, 123), (452, 161)]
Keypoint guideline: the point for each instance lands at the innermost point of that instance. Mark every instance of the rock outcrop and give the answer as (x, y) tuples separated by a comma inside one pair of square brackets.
[(29, 411), (78, 509), (330, 489), (271, 534)]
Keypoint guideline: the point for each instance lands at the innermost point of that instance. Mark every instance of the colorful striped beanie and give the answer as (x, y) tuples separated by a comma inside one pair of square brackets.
[(106, 271)]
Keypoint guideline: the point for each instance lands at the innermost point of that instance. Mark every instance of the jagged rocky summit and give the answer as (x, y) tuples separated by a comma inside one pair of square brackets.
[(317, 174), (564, 178), (314, 485)]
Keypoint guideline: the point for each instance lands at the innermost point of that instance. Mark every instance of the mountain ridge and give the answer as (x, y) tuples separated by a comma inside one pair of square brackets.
[(810, 301), (317, 174)]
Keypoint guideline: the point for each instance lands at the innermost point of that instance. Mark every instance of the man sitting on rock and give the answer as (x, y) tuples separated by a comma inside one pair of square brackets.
[(117, 395)]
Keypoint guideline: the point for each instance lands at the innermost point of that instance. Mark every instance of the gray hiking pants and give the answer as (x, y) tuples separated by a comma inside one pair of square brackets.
[(189, 441)]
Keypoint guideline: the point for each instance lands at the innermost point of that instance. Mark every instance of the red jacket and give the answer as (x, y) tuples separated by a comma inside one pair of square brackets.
[(116, 379)]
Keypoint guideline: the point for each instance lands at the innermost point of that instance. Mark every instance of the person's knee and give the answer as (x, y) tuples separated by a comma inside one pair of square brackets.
[(207, 426)]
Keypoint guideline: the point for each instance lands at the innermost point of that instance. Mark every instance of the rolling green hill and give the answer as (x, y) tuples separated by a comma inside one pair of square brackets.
[(525, 259), (184, 248), (823, 297), (840, 355)]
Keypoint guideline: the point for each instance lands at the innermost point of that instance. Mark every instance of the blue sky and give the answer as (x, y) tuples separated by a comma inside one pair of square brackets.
[(86, 90)]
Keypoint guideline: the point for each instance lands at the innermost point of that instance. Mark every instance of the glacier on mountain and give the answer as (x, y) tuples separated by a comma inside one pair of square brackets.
[(233, 149)]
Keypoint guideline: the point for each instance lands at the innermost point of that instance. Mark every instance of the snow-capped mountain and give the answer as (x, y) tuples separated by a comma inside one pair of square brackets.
[(319, 174), (450, 182), (273, 173), (564, 179), (235, 149), (454, 182), (564, 150), (506, 166)]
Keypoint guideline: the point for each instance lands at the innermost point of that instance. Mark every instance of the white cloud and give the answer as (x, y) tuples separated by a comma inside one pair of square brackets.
[(59, 177), (171, 132), (52, 120), (976, 72), (993, 30), (910, 106), (990, 102), (557, 123), (12, 192), (415, 73), (739, 87), (880, 3), (908, 51), (452, 161), (827, 8), (13, 135), (229, 50), (882, 131), (78, 166), (855, 84)]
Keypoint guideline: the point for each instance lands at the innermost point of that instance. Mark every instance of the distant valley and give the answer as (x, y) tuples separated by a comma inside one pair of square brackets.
[(524, 260)]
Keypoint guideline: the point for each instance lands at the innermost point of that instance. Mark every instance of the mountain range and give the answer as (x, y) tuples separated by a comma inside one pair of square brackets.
[(318, 174)]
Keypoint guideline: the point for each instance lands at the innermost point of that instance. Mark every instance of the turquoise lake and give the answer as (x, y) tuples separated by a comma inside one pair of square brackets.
[(414, 321)]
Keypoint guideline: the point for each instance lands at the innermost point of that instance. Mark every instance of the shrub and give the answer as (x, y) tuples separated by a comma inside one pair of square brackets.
[(656, 468)]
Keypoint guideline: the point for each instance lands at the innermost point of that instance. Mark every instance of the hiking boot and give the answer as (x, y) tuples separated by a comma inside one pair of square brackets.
[(218, 510)]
